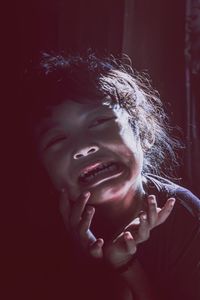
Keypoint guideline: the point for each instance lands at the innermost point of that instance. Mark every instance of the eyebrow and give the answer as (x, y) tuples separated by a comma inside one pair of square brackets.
[(52, 125)]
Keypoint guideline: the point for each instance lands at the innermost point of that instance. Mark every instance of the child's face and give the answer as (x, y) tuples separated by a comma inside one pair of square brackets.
[(90, 137)]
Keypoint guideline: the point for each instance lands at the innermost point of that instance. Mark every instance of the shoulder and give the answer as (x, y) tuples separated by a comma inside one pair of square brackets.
[(176, 242), (164, 188)]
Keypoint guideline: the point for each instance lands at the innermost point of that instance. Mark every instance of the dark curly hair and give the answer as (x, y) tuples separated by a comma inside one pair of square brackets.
[(80, 77)]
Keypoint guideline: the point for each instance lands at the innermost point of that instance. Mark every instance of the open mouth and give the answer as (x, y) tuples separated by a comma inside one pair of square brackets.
[(101, 172)]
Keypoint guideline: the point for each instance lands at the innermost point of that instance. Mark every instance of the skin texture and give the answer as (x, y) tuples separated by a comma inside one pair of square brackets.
[(76, 136), (102, 128), (81, 127), (120, 250)]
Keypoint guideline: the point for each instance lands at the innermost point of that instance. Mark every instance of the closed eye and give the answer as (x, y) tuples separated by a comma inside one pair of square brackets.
[(101, 121), (55, 141)]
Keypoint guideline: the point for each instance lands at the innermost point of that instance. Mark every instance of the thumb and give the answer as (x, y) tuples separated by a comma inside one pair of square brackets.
[(125, 242), (96, 249)]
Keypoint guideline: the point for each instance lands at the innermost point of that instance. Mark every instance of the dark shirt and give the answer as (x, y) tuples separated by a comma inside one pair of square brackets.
[(48, 268), (171, 256)]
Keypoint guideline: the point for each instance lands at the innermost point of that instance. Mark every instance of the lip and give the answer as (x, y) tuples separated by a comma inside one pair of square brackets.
[(90, 166), (98, 182)]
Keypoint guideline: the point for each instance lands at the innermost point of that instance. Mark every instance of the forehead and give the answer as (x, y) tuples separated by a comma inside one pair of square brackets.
[(72, 109)]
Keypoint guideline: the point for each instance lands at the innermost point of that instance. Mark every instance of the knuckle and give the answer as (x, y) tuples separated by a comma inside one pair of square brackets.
[(152, 204), (133, 249), (81, 230), (145, 235), (168, 210), (151, 224)]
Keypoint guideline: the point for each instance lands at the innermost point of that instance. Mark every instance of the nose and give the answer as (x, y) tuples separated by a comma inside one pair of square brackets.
[(85, 152)]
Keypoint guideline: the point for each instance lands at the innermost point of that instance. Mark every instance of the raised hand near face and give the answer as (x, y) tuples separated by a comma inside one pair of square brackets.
[(154, 216), (120, 251), (78, 218)]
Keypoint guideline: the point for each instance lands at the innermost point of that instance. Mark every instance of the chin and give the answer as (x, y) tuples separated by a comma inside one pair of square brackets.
[(109, 191), (108, 184)]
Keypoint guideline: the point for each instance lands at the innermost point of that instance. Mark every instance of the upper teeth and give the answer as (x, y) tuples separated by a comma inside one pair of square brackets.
[(100, 168)]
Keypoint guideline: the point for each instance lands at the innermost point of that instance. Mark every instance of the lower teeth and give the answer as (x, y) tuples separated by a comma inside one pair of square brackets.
[(110, 168)]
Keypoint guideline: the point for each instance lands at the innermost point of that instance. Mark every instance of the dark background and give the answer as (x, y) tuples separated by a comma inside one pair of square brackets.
[(152, 33)]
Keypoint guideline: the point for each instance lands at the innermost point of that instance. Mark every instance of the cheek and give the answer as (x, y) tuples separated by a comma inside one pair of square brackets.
[(55, 166), (131, 144), (128, 137), (132, 154), (115, 135), (124, 141), (138, 159)]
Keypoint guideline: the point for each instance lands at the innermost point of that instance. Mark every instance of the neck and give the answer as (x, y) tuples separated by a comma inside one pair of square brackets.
[(111, 217)]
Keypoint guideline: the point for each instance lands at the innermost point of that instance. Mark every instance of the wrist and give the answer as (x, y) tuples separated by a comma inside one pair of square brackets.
[(125, 267), (138, 282)]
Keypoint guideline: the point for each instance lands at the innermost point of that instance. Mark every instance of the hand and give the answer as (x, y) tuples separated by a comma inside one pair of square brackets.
[(77, 219), (140, 227), (120, 251)]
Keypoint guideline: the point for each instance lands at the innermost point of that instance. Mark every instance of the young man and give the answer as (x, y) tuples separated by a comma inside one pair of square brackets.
[(100, 131)]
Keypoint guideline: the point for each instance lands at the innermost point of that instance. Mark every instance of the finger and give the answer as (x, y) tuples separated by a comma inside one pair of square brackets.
[(125, 242), (152, 210), (165, 211), (143, 230), (129, 242), (133, 223), (86, 220), (96, 249), (133, 227), (118, 238), (64, 206), (78, 208)]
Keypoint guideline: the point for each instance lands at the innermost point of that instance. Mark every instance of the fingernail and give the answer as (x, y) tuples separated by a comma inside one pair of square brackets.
[(86, 194), (152, 199), (144, 217), (172, 202), (100, 243), (128, 235), (90, 209)]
